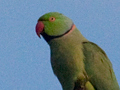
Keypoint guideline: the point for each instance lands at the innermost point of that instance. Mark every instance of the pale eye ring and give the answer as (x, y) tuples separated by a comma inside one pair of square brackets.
[(52, 19)]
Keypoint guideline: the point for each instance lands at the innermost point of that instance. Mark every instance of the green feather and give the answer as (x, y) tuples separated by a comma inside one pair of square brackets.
[(99, 68), (78, 63)]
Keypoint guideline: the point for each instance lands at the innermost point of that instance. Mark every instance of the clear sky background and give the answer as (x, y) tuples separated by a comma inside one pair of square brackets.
[(25, 59)]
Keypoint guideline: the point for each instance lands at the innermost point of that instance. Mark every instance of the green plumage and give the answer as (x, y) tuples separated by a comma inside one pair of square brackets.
[(78, 63), (99, 68)]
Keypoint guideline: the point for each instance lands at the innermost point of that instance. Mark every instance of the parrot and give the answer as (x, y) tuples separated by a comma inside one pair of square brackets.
[(78, 63)]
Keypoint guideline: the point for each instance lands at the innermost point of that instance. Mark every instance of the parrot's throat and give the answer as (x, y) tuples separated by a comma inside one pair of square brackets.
[(48, 38)]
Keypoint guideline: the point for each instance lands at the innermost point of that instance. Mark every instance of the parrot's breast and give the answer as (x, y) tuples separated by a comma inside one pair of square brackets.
[(67, 61)]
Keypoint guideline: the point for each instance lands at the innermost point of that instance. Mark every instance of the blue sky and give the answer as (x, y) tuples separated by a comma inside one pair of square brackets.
[(25, 59)]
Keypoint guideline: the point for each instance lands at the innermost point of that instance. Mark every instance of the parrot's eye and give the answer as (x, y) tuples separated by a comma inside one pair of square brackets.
[(51, 19)]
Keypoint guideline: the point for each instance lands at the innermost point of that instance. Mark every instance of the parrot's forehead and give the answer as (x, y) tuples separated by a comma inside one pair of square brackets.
[(51, 14)]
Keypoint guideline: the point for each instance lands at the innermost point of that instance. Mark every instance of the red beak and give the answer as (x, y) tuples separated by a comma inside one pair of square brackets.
[(39, 28)]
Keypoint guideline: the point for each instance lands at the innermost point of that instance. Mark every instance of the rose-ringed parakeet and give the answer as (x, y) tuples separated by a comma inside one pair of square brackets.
[(78, 63)]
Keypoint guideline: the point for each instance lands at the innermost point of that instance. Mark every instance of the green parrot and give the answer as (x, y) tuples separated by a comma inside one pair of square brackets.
[(78, 63)]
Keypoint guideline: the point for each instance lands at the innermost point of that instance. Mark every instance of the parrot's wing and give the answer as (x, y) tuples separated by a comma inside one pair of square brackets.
[(99, 68)]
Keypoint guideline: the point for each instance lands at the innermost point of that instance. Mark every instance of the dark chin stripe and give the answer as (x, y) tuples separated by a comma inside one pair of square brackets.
[(48, 38)]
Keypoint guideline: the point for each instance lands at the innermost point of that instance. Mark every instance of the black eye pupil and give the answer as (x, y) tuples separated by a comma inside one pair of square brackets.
[(52, 18)]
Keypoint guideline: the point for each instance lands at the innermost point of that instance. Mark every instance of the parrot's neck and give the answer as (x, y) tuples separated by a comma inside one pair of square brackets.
[(73, 36)]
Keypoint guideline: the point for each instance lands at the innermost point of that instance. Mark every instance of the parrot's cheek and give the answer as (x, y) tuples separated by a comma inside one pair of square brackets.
[(39, 28)]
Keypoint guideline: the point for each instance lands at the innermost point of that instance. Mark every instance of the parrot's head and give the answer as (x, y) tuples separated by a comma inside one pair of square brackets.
[(53, 25)]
